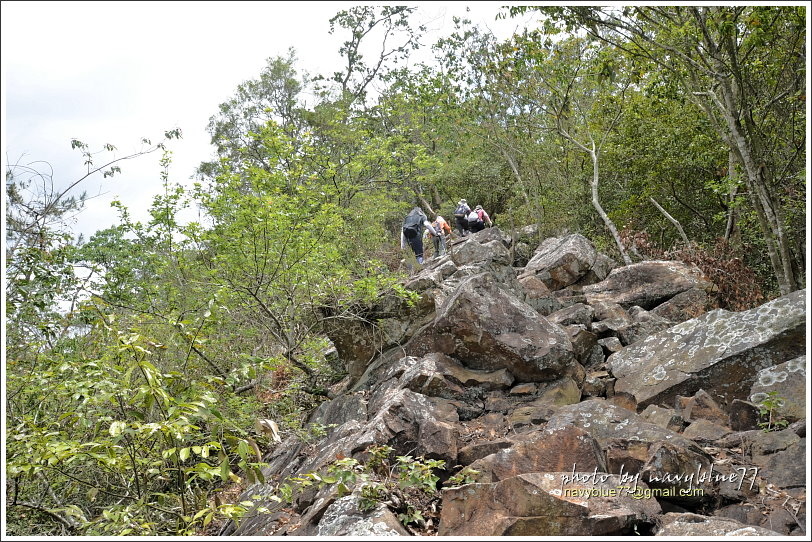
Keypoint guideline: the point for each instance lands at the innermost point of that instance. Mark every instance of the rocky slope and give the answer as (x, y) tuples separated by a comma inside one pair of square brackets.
[(591, 399)]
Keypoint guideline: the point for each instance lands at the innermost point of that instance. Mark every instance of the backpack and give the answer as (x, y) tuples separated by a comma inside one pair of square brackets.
[(460, 210), (474, 216), (414, 220)]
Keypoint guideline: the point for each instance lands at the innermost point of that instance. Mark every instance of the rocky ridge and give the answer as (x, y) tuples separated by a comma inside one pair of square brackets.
[(590, 398)]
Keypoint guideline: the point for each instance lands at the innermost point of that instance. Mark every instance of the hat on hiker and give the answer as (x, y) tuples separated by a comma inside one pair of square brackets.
[(478, 207)]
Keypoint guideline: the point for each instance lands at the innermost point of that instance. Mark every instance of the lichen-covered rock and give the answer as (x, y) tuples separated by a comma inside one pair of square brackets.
[(646, 284), (605, 421), (720, 351), (545, 504), (686, 524), (344, 518), (788, 381), (561, 261)]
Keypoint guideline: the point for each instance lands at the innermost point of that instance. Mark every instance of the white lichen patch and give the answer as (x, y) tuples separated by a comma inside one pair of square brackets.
[(769, 377), (659, 373), (758, 397), (797, 365)]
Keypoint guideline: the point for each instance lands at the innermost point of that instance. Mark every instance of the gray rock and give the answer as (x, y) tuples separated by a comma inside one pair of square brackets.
[(474, 250), (561, 261), (488, 329), (667, 418), (544, 451), (646, 284), (344, 518), (720, 352), (541, 504), (743, 415), (686, 305), (788, 381), (686, 524), (578, 313), (705, 431)]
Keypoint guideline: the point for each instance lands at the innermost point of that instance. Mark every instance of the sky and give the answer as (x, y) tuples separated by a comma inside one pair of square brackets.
[(115, 72)]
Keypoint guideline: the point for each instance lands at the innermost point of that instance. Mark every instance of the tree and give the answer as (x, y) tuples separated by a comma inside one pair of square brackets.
[(39, 244), (274, 95), (744, 67)]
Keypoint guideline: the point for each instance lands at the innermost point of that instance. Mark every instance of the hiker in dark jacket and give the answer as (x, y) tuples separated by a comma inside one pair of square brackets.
[(461, 216), (412, 232)]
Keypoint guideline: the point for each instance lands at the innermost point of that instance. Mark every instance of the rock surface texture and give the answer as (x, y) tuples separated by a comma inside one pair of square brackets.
[(564, 395)]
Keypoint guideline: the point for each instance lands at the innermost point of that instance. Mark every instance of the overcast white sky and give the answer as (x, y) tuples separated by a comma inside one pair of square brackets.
[(118, 71)]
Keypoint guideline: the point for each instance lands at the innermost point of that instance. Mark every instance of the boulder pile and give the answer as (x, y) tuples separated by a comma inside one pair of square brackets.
[(588, 398)]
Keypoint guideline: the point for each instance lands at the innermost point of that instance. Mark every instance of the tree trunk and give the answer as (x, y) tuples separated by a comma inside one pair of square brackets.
[(731, 209), (766, 207), (596, 203)]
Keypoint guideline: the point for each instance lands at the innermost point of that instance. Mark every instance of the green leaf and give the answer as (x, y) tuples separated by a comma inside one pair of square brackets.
[(224, 469), (243, 449), (116, 428)]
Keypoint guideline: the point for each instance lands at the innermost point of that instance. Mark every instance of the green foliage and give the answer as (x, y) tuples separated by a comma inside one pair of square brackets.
[(769, 408), (139, 361), (466, 475), (142, 444), (405, 484)]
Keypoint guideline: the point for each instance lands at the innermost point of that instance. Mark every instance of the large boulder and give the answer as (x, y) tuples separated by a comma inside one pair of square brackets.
[(561, 261), (544, 451), (673, 465), (721, 352), (486, 328), (646, 284), (473, 250), (545, 504)]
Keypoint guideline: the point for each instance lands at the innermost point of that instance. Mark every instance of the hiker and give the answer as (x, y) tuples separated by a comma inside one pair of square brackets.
[(461, 215), (412, 232), (477, 219), (442, 228)]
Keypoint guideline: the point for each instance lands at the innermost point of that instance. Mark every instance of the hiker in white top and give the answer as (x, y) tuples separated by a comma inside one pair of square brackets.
[(477, 219)]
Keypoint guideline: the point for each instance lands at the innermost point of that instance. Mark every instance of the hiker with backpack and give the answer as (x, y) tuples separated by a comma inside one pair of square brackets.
[(412, 232), (477, 219), (442, 228), (461, 216)]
